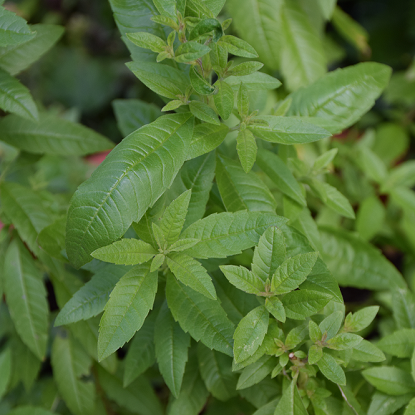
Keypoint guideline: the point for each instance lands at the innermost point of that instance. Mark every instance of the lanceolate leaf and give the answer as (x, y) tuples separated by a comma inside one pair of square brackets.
[(172, 345), (390, 380), (291, 403), (202, 317), (331, 369), (52, 135), (26, 298), (243, 279), (13, 29), (129, 180), (226, 234), (16, 98), (257, 81), (127, 308), (301, 304), (247, 149), (401, 343), (224, 99)]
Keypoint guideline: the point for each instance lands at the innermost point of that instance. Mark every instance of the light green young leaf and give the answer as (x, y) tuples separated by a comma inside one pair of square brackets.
[(276, 308), (361, 319), (129, 186), (5, 370), (403, 307), (291, 403), (204, 112), (199, 83), (14, 30), (166, 8), (26, 297), (227, 234), (280, 175), (183, 244), (240, 190), (243, 279), (141, 353), (224, 99), (172, 345), (314, 331), (237, 47), (390, 380), (128, 306), (125, 252), (159, 236), (202, 317), (344, 341), (16, 98), (257, 81), (302, 55), (296, 335), (401, 343), (245, 68), (190, 51), (256, 372), (331, 369), (216, 371), (191, 273), (331, 324), (70, 363), (52, 135), (367, 352), (292, 272), (325, 159), (301, 304), (157, 262), (315, 353), (147, 41), (247, 149), (243, 100), (90, 300), (344, 95), (250, 333), (269, 254), (206, 138), (288, 130)]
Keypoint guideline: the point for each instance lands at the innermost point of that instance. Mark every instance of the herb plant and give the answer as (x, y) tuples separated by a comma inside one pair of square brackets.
[(198, 267)]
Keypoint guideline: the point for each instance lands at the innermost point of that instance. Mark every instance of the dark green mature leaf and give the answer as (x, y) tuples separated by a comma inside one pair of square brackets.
[(13, 29), (5, 370), (16, 98), (240, 190), (206, 137), (344, 95), (52, 135), (390, 380), (331, 369), (243, 279), (202, 317), (26, 298), (128, 306), (69, 364), (250, 333), (280, 175), (226, 234), (131, 178), (171, 344), (301, 304), (291, 403), (16, 58), (90, 300), (356, 263), (288, 130), (401, 343), (29, 410)]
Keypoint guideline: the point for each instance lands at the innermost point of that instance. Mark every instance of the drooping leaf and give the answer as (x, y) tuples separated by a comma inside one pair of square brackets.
[(13, 29), (143, 166)]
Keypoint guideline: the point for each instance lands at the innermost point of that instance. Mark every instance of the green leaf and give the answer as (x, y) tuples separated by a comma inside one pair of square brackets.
[(314, 331), (125, 252), (224, 99), (5, 370), (362, 267), (243, 279), (129, 186), (189, 271), (52, 238), (383, 404), (331, 369), (344, 341), (247, 149), (205, 27), (237, 47), (280, 175), (344, 95), (245, 68), (204, 112), (164, 80), (401, 175), (26, 297), (13, 29), (288, 130), (410, 409), (216, 371), (367, 352), (52, 135), (302, 55), (292, 272), (29, 410), (18, 57), (25, 208), (315, 353), (70, 363), (370, 217), (243, 101), (332, 323), (239, 190), (206, 137), (291, 403), (202, 317), (141, 353), (183, 245), (199, 83), (132, 114), (361, 319), (90, 300), (16, 98), (256, 372), (250, 333), (257, 81), (390, 380), (269, 254), (403, 306), (166, 8), (276, 308), (304, 303), (127, 308), (147, 41), (157, 262), (190, 51), (227, 234), (401, 343), (172, 345), (371, 164)]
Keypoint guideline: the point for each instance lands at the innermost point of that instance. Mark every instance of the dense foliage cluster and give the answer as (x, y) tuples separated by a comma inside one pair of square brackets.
[(198, 267)]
